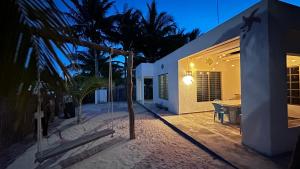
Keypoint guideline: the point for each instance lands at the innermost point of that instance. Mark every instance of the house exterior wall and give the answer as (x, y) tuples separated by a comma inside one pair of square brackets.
[(143, 70), (226, 31), (263, 71), (263, 74)]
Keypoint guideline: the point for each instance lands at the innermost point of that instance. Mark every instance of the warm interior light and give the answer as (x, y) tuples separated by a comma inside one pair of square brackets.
[(188, 78), (232, 65), (293, 60), (192, 64), (217, 63), (227, 60)]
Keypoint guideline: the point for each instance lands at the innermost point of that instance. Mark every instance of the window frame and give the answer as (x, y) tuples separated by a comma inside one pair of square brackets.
[(163, 88), (291, 83), (208, 87)]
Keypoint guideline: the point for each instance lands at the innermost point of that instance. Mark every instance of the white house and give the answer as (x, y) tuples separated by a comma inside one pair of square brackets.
[(254, 57)]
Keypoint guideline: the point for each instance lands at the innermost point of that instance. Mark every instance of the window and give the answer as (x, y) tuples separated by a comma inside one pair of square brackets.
[(293, 96), (208, 86), (163, 86)]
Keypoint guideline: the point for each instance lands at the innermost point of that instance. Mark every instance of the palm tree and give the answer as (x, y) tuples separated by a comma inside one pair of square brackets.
[(92, 23), (83, 86), (83, 65), (160, 34), (33, 32), (21, 44), (176, 40), (129, 30), (155, 27), (128, 34)]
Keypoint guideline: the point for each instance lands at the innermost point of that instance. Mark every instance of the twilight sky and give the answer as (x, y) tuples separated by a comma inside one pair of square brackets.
[(200, 14), (190, 14)]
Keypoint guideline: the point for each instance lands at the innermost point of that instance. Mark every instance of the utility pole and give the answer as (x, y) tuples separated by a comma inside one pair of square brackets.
[(218, 15)]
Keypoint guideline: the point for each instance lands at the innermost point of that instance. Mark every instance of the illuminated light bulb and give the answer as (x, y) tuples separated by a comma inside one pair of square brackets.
[(293, 60), (192, 64), (188, 78), (232, 65)]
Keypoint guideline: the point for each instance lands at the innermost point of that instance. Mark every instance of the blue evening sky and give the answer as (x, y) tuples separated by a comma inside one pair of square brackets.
[(190, 14), (200, 14)]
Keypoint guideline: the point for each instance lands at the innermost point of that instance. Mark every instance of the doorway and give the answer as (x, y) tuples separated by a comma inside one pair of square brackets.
[(148, 89)]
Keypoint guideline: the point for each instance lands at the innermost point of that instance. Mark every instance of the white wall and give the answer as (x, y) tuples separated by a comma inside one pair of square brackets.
[(263, 84), (142, 71), (223, 32)]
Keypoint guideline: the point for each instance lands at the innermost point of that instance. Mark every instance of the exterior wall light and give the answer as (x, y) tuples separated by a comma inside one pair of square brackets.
[(192, 65), (188, 78)]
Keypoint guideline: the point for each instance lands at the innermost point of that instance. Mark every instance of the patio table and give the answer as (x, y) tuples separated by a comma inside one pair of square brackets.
[(232, 106)]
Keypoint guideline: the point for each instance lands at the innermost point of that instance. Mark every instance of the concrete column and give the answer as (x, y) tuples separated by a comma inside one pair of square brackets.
[(142, 87), (138, 89), (263, 85)]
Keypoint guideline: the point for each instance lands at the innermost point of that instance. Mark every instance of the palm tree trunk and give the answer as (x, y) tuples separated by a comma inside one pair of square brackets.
[(129, 96), (96, 63)]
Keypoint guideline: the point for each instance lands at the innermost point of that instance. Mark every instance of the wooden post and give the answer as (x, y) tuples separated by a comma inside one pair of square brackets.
[(79, 111), (39, 114), (129, 95)]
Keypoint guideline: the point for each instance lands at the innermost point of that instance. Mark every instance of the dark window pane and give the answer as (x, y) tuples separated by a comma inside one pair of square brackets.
[(295, 100), (295, 78), (163, 86), (295, 85), (295, 70), (202, 86), (208, 86), (294, 93)]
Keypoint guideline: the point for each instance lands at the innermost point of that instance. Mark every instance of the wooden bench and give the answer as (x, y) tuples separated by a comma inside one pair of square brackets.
[(46, 154)]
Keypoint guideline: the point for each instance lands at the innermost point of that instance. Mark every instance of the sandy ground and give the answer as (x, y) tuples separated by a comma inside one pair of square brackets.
[(155, 146)]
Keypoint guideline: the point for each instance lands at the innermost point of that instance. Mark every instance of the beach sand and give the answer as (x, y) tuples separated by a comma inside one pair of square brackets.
[(155, 146)]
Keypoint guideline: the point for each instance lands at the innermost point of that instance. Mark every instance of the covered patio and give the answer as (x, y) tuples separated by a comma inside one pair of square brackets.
[(212, 76), (222, 139)]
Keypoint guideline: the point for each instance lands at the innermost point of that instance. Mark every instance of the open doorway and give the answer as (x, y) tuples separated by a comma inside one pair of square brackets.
[(216, 79), (148, 89)]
